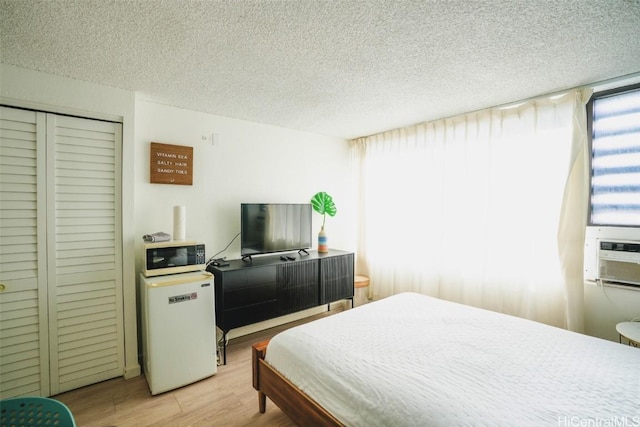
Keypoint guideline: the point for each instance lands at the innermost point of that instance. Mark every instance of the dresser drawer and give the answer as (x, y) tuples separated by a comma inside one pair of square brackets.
[(249, 277), (249, 295)]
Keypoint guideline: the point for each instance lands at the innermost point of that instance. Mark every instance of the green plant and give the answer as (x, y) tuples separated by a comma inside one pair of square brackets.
[(324, 205)]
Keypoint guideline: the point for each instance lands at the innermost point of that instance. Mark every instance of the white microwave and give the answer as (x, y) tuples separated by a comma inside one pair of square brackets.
[(173, 257)]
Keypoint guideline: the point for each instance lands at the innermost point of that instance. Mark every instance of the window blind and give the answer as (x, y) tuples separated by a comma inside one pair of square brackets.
[(615, 160)]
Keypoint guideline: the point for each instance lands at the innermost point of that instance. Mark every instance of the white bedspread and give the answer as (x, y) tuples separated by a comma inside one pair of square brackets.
[(413, 360)]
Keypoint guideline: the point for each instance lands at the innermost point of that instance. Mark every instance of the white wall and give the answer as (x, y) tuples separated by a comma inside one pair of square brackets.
[(605, 306), (251, 163)]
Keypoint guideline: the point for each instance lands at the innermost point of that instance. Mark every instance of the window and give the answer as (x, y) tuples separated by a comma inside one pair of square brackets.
[(614, 133)]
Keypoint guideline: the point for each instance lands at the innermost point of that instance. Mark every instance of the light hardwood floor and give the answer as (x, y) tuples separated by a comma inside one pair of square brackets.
[(225, 399)]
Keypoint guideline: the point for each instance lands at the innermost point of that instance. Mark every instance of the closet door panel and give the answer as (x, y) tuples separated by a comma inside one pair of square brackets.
[(84, 252), (24, 347)]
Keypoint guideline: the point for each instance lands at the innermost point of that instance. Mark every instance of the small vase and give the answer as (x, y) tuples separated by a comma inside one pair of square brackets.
[(323, 247)]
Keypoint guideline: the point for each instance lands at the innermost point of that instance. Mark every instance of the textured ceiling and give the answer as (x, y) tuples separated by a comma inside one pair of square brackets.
[(342, 68)]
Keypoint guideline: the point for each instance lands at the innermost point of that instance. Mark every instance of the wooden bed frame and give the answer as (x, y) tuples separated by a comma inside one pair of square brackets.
[(299, 407)]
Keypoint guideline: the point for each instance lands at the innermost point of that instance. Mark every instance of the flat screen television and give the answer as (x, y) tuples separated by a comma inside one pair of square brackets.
[(274, 227)]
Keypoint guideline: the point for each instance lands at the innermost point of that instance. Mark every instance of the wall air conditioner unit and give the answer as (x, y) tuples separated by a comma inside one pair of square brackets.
[(619, 262)]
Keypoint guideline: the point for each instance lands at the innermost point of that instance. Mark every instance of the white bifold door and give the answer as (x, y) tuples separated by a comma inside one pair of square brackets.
[(61, 318)]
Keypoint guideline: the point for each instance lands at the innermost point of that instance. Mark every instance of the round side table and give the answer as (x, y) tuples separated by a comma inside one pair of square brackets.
[(361, 284), (630, 331)]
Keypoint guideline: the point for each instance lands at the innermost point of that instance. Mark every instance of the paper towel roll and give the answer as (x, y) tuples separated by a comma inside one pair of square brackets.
[(179, 223)]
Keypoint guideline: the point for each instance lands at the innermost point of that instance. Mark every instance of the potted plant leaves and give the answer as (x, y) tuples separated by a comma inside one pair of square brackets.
[(323, 204)]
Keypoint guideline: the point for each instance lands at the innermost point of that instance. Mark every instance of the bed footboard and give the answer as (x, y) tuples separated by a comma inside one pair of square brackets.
[(299, 407), (258, 351)]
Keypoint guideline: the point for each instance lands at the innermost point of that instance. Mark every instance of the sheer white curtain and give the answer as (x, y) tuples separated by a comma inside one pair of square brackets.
[(486, 209)]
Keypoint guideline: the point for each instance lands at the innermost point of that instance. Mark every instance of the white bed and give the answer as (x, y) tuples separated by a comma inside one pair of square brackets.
[(413, 360)]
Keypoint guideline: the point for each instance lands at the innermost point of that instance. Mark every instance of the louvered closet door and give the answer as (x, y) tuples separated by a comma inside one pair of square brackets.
[(24, 348), (84, 251)]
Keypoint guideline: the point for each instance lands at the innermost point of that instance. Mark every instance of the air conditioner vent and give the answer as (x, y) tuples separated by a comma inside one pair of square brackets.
[(619, 262)]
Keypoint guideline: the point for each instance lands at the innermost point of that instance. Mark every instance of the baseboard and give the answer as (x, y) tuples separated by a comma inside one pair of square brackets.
[(131, 372), (257, 327)]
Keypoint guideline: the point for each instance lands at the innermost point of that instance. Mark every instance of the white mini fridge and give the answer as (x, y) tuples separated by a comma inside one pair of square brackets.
[(178, 329)]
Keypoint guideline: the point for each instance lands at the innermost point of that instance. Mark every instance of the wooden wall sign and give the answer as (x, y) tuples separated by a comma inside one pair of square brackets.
[(171, 164)]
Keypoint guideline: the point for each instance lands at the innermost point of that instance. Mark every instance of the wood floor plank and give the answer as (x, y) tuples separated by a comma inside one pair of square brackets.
[(225, 399)]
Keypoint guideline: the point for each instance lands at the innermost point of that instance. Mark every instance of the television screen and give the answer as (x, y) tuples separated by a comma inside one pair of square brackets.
[(274, 227)]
